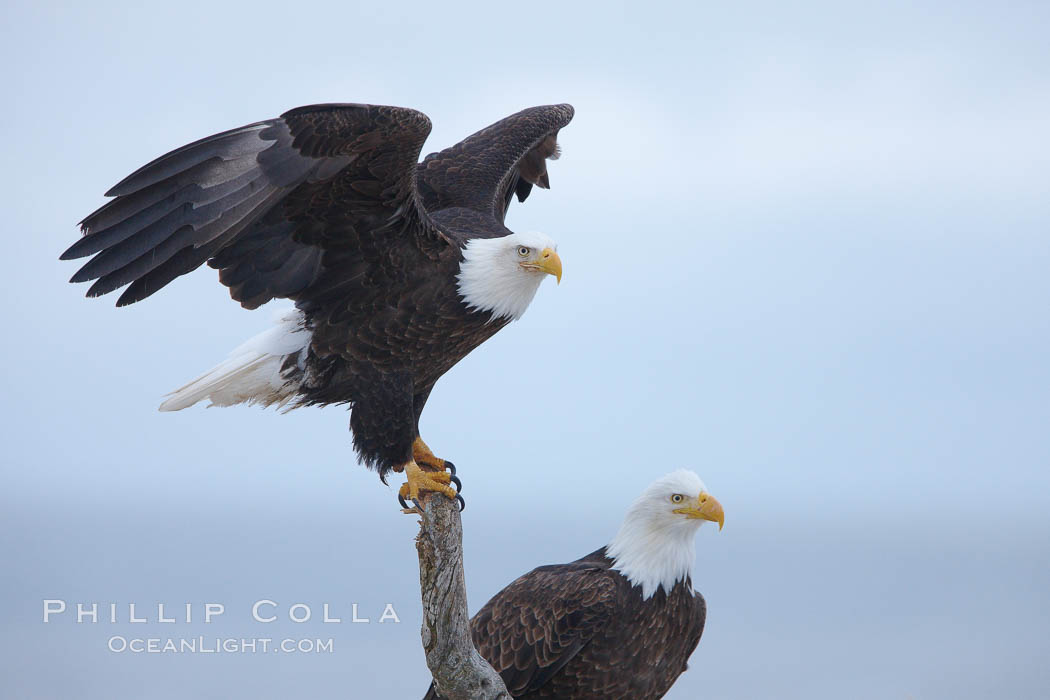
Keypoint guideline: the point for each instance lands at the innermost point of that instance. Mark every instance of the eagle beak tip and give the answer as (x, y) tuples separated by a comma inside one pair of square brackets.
[(550, 262), (710, 509)]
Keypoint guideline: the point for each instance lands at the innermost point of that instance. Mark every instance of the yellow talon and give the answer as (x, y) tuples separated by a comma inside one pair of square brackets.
[(420, 481)]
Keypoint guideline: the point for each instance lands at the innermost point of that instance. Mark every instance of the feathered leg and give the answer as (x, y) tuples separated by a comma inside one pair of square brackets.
[(386, 436)]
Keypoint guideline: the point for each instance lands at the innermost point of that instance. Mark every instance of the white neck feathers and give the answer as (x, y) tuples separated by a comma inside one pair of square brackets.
[(490, 280), (651, 554)]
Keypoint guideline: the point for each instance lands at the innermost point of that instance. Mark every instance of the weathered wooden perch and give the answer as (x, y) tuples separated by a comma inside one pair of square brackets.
[(460, 672)]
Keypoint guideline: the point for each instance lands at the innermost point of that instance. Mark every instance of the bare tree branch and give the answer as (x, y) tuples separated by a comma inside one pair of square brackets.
[(460, 672)]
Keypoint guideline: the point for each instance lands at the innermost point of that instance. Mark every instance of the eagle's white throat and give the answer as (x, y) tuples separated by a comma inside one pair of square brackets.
[(654, 547), (491, 277)]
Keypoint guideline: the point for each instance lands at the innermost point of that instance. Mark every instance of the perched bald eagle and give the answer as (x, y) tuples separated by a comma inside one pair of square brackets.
[(620, 622), (398, 269)]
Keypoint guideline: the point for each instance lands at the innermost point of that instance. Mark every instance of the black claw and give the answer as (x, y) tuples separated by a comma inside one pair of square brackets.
[(451, 467), (415, 503)]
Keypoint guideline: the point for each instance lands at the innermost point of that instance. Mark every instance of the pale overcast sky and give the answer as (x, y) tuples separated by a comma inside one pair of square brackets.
[(806, 251)]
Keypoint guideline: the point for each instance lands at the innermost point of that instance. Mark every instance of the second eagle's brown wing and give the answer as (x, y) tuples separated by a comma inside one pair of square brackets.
[(485, 170), (287, 207), (532, 628)]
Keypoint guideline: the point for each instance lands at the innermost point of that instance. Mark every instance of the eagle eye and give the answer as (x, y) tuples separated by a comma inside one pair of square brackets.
[(677, 498), (523, 251)]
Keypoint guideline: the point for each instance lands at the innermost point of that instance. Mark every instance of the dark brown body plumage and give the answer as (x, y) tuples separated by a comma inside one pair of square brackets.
[(327, 206), (581, 631)]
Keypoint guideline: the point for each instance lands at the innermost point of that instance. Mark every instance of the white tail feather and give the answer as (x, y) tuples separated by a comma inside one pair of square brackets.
[(252, 372)]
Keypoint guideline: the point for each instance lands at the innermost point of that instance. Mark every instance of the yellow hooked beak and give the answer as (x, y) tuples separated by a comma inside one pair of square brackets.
[(548, 262), (707, 508)]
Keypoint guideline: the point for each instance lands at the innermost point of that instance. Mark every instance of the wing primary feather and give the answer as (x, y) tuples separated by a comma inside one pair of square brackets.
[(119, 229), (157, 239), (142, 264), (202, 184), (126, 251), (222, 228), (232, 144), (183, 262)]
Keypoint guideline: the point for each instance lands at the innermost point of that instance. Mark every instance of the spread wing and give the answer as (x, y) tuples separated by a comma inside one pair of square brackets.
[(484, 171), (289, 207), (537, 624)]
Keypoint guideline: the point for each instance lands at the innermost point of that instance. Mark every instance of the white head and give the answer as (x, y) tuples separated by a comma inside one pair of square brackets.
[(654, 546), (502, 275)]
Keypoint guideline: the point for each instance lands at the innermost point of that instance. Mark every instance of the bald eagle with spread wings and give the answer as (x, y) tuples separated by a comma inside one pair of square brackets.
[(398, 268)]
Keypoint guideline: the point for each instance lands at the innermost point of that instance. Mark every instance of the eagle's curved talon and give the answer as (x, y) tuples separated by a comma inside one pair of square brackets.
[(451, 467), (462, 503), (414, 509), (455, 480), (420, 482)]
